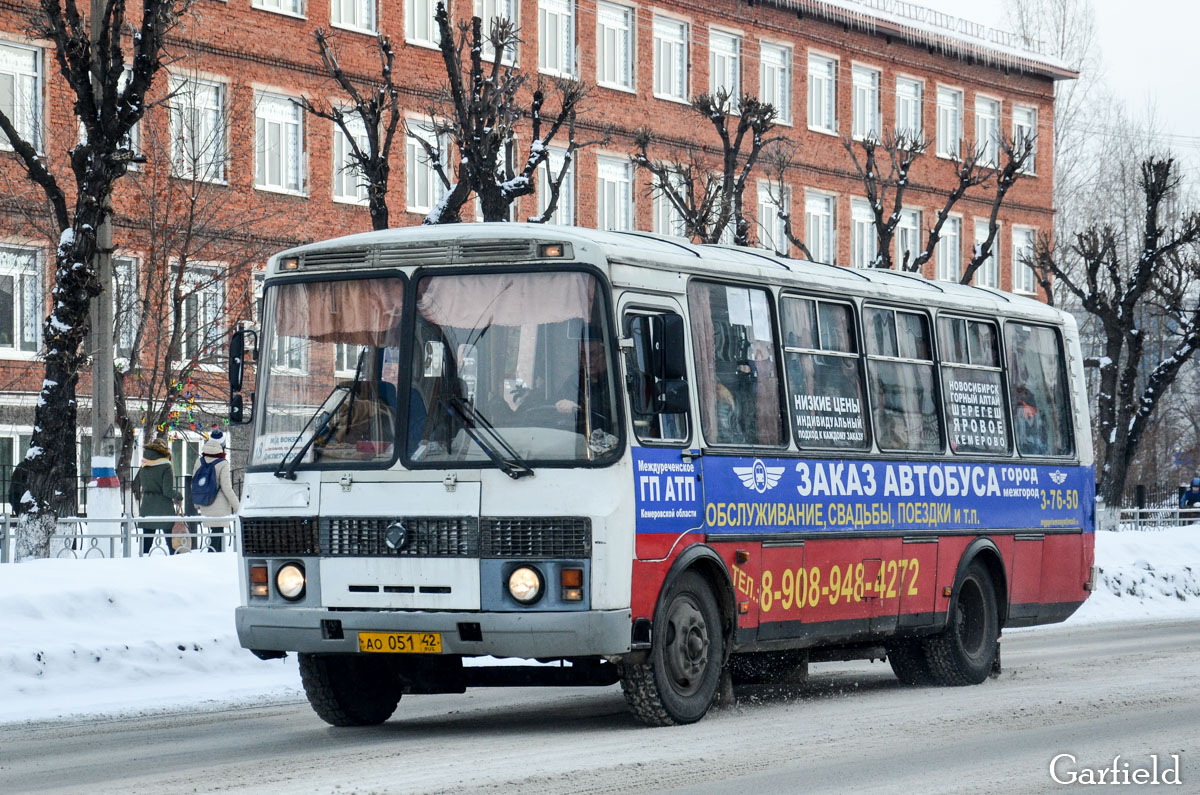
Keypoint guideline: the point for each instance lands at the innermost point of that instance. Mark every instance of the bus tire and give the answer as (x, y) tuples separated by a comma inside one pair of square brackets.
[(349, 690), (909, 663), (681, 677), (963, 653)]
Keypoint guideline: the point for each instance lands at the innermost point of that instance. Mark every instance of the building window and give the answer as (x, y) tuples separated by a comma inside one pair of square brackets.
[(1025, 126), (771, 234), (614, 200), (668, 220), (293, 8), (349, 184), (614, 45), (564, 211), (556, 37), (949, 121), (987, 130), (279, 144), (202, 305), (865, 120), (198, 129), (125, 304), (487, 10), (908, 107), (949, 251), (424, 186), (345, 358), (822, 94), (908, 238), (353, 14), (670, 59), (864, 242), (775, 78), (1024, 277), (20, 299), (725, 64), (988, 274), (818, 223), (419, 25)]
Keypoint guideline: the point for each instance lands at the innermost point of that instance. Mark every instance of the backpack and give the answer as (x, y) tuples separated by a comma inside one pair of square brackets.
[(205, 484)]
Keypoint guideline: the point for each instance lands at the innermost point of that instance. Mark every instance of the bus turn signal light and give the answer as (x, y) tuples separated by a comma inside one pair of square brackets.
[(572, 585), (258, 580), (550, 249)]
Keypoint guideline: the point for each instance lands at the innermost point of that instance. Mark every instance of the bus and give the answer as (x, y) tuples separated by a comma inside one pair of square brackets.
[(620, 457)]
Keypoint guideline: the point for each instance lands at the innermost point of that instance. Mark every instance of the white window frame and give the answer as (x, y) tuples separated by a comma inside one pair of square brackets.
[(988, 274), (288, 8), (865, 114), (423, 10), (487, 10), (1025, 117), (125, 303), (615, 53), (771, 233), (949, 122), (864, 239), (671, 58), (822, 93), (668, 220), (907, 236), (1024, 280), (614, 193), (775, 78), (987, 129), (346, 352), (23, 264), (948, 254), (910, 93), (725, 64), (564, 211), (421, 198), (556, 23), (203, 284), (820, 225), (191, 120), (363, 16), (283, 115), (349, 186)]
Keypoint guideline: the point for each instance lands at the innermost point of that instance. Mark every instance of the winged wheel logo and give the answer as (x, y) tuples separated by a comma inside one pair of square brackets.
[(759, 477)]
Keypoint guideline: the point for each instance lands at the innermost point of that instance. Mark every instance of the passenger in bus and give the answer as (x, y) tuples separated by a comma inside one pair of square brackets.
[(729, 418), (1031, 426)]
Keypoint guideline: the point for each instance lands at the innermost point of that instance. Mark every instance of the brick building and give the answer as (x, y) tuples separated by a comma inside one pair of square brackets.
[(833, 67)]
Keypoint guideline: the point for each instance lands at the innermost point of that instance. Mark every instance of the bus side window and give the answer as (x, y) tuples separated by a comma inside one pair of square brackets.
[(650, 341), (972, 392), (737, 372), (1037, 382), (903, 391)]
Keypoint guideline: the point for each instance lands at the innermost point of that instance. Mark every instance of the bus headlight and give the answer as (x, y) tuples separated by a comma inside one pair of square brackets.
[(289, 581), (525, 585)]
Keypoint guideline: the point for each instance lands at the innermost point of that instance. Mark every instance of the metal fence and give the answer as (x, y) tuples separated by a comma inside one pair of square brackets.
[(128, 537), (183, 484), (1144, 519)]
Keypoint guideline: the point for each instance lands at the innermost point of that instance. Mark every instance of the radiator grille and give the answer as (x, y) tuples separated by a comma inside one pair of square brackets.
[(538, 537), (495, 250), (280, 536), (339, 258), (428, 537)]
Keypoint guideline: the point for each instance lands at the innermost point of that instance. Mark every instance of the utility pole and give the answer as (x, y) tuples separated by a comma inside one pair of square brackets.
[(103, 411)]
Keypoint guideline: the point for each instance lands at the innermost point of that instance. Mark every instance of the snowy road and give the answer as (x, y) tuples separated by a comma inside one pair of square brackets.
[(1092, 691)]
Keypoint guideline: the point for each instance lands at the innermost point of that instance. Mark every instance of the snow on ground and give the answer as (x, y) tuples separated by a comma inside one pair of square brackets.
[(132, 636)]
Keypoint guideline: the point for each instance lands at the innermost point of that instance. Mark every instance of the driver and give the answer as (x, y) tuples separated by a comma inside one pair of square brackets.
[(588, 386)]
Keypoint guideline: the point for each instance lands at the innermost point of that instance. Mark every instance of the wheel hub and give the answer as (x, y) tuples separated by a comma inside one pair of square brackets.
[(686, 647)]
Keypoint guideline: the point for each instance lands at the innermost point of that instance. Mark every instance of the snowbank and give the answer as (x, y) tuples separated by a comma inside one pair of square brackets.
[(141, 635)]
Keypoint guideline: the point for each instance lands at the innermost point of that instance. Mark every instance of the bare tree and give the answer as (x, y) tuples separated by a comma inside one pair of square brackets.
[(886, 184), (368, 125), (708, 199), (108, 105), (1160, 278), (482, 111)]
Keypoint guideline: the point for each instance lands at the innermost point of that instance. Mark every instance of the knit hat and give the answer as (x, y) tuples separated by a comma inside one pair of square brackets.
[(160, 447), (213, 447), (218, 436)]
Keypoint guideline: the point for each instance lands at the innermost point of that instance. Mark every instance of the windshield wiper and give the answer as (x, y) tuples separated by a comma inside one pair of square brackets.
[(287, 466), (512, 465)]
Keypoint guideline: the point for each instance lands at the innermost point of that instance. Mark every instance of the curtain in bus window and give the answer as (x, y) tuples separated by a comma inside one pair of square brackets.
[(903, 391), (505, 299), (826, 395), (1038, 390), (735, 364), (971, 391), (357, 312)]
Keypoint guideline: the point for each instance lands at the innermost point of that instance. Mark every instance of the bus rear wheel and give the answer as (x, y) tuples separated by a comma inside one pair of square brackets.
[(908, 661), (679, 681), (963, 653), (350, 690)]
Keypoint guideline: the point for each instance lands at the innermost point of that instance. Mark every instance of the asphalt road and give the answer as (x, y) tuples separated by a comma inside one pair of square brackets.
[(1092, 692)]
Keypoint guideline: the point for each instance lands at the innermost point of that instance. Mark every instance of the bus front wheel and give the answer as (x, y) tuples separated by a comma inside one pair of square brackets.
[(964, 652), (679, 681), (350, 690)]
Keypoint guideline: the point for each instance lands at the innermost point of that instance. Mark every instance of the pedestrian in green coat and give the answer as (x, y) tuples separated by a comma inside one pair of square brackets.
[(158, 494)]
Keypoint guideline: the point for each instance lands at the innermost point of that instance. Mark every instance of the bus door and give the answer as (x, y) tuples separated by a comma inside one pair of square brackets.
[(837, 586)]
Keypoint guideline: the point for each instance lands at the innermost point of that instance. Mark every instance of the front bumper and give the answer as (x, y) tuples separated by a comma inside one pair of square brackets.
[(529, 635)]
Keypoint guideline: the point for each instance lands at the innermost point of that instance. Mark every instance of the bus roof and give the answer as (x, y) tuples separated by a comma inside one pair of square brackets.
[(483, 243)]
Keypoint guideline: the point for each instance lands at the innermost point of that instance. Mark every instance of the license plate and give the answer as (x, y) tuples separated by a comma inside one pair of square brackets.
[(401, 642)]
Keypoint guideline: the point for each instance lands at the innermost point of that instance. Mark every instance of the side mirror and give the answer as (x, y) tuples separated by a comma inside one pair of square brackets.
[(671, 397), (237, 359), (658, 382), (237, 410), (672, 353)]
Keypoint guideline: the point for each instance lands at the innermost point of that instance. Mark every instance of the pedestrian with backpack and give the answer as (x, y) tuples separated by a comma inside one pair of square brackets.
[(1189, 501), (212, 488)]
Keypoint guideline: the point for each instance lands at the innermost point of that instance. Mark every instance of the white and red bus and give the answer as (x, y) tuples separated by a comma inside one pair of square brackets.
[(649, 461)]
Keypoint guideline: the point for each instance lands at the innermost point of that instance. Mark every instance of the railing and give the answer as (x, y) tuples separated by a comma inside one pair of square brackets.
[(127, 536), (1144, 519)]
